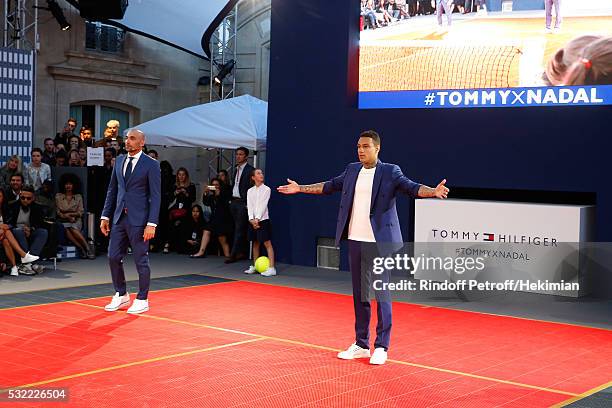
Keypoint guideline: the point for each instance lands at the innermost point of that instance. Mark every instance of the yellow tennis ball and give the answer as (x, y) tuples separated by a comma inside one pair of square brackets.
[(262, 264)]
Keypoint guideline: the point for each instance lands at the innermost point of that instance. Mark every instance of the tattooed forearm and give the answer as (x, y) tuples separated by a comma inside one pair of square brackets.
[(426, 192), (312, 188)]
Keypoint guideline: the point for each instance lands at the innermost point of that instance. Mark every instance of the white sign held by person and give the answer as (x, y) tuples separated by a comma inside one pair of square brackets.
[(95, 156)]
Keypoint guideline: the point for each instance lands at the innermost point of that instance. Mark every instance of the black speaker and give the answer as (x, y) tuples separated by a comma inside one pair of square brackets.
[(95, 10)]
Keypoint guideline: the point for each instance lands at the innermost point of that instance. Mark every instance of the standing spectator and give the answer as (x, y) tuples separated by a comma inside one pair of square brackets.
[(11, 167), (61, 158), (167, 190), (260, 230), (15, 186), (48, 156), (62, 137), (86, 136), (37, 172), (113, 126), (69, 203), (27, 224), (184, 196), (242, 182), (192, 229), (221, 222)]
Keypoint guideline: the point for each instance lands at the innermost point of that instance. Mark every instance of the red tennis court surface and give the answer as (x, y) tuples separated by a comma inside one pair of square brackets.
[(258, 345)]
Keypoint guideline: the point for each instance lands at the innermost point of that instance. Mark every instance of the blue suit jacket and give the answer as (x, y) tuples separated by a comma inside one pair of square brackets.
[(141, 196), (388, 181)]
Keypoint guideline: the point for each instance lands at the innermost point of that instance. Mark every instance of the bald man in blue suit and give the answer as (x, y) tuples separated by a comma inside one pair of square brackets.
[(132, 200), (368, 219)]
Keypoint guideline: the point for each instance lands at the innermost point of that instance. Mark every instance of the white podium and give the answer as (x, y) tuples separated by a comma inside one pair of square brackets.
[(529, 242)]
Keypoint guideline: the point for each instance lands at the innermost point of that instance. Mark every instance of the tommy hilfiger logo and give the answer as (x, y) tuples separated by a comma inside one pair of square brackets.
[(473, 236)]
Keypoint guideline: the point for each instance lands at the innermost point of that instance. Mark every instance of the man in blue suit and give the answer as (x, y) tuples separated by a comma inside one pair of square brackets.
[(368, 215), (132, 201)]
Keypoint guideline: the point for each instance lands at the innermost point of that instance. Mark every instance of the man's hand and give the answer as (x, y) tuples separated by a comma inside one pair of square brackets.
[(104, 227), (290, 188), (149, 232), (441, 191)]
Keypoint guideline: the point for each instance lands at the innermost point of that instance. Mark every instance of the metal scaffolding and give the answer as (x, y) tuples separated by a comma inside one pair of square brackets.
[(20, 28), (223, 51), (223, 45)]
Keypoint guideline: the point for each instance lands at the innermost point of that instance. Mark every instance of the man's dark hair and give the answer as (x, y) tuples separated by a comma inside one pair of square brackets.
[(154, 152), (111, 151), (61, 154), (27, 188), (36, 149), (46, 140), (18, 175), (244, 149), (72, 120), (372, 135)]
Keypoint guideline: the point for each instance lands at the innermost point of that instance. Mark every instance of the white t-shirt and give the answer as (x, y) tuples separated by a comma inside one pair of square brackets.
[(360, 227)]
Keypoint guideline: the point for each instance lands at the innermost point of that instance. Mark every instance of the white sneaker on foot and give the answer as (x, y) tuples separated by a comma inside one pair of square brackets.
[(269, 272), (28, 258), (251, 270), (14, 271), (139, 306), (379, 356), (354, 351), (117, 302)]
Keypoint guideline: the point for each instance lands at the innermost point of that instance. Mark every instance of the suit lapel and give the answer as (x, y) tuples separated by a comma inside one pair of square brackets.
[(120, 169), (376, 183)]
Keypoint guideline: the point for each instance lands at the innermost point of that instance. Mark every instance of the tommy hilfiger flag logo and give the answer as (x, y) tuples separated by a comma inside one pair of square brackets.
[(488, 237)]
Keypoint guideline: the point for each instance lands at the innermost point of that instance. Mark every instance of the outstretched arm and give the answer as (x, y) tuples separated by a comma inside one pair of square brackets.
[(292, 188), (440, 191)]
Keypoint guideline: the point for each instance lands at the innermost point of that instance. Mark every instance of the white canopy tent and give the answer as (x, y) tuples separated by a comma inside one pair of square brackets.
[(226, 124)]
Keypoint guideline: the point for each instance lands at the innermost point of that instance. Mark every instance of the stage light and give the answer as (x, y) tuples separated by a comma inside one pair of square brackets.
[(224, 71), (57, 12)]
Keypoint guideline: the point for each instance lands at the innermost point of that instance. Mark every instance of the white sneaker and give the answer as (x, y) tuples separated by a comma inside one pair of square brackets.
[(379, 356), (139, 306), (117, 302), (251, 270), (269, 272), (354, 351), (28, 258), (548, 31), (14, 271)]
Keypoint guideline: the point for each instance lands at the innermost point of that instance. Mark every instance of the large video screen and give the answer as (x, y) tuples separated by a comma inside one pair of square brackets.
[(484, 53)]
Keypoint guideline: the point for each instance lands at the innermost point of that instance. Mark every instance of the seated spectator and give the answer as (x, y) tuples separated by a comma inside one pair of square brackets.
[(83, 156), (8, 242), (74, 160), (27, 225), (183, 197), (61, 158), (221, 223), (74, 142), (45, 197), (86, 136), (367, 11), (11, 167), (381, 12), (62, 137), (48, 156), (15, 186), (153, 153), (191, 233), (69, 204), (37, 172)]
